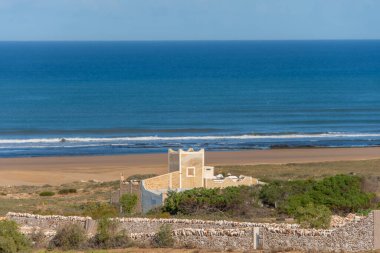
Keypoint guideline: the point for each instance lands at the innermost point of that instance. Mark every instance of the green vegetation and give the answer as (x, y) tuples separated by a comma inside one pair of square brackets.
[(109, 236), (11, 240), (234, 201), (313, 216), (311, 202), (341, 194), (46, 194), (128, 202), (67, 191), (70, 236), (164, 237)]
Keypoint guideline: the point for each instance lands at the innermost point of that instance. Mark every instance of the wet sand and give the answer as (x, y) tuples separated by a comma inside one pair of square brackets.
[(58, 170)]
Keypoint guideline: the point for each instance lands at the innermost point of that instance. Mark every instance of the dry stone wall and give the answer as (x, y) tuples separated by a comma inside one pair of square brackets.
[(47, 221), (145, 225), (357, 235)]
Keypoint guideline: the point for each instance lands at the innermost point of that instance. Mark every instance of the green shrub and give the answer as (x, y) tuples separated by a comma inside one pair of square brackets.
[(313, 216), (98, 210), (70, 236), (11, 240), (67, 191), (128, 202), (108, 235), (277, 192), (46, 194), (341, 194), (164, 237), (231, 200)]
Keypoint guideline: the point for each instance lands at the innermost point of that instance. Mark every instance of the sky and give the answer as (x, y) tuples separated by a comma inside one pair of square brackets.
[(189, 19)]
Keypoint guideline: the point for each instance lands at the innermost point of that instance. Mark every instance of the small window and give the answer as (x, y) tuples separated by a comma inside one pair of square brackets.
[(190, 172)]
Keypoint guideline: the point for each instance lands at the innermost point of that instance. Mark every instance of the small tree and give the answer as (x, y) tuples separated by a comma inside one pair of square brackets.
[(70, 236), (164, 237), (313, 216), (128, 203), (11, 240)]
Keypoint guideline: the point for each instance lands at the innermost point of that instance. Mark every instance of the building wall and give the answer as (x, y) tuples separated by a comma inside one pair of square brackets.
[(158, 182), (173, 160), (195, 160), (226, 182), (149, 199), (175, 180)]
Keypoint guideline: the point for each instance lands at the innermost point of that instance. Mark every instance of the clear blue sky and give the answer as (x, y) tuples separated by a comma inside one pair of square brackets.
[(188, 19)]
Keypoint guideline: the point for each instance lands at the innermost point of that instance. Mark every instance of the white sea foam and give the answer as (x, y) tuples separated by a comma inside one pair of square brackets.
[(65, 140)]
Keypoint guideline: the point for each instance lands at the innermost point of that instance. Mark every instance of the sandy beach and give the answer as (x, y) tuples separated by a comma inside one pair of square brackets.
[(58, 170)]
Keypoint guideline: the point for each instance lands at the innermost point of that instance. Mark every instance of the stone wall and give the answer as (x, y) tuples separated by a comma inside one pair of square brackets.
[(51, 222), (354, 236), (146, 225)]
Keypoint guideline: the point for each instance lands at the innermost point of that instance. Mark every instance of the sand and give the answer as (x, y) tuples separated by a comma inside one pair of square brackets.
[(59, 170)]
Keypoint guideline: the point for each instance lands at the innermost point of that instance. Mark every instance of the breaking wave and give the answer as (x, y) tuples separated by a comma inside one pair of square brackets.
[(189, 138)]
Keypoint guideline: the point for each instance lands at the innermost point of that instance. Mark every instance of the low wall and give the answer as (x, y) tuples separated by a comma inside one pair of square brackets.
[(145, 225), (353, 237), (52, 222), (214, 239), (357, 235)]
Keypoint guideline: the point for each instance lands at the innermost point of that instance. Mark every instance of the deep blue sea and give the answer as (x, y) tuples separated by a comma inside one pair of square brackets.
[(101, 98)]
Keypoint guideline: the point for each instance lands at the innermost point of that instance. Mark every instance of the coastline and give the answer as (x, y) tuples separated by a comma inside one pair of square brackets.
[(59, 170)]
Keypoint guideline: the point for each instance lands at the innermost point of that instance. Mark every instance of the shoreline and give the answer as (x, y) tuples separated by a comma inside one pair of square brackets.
[(65, 169)]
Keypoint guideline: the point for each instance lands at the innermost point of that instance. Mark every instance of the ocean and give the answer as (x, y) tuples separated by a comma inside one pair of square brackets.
[(105, 98)]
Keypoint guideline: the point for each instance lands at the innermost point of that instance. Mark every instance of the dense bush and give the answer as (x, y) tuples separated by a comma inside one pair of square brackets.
[(164, 237), (67, 191), (277, 192), (11, 240), (109, 235), (46, 194), (311, 202), (128, 202), (313, 216), (232, 200), (70, 236), (98, 210), (341, 194)]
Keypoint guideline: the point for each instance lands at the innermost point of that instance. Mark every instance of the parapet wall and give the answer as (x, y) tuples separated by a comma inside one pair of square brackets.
[(357, 235)]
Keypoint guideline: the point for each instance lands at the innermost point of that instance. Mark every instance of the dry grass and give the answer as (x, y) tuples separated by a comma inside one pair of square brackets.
[(265, 172), (27, 199)]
